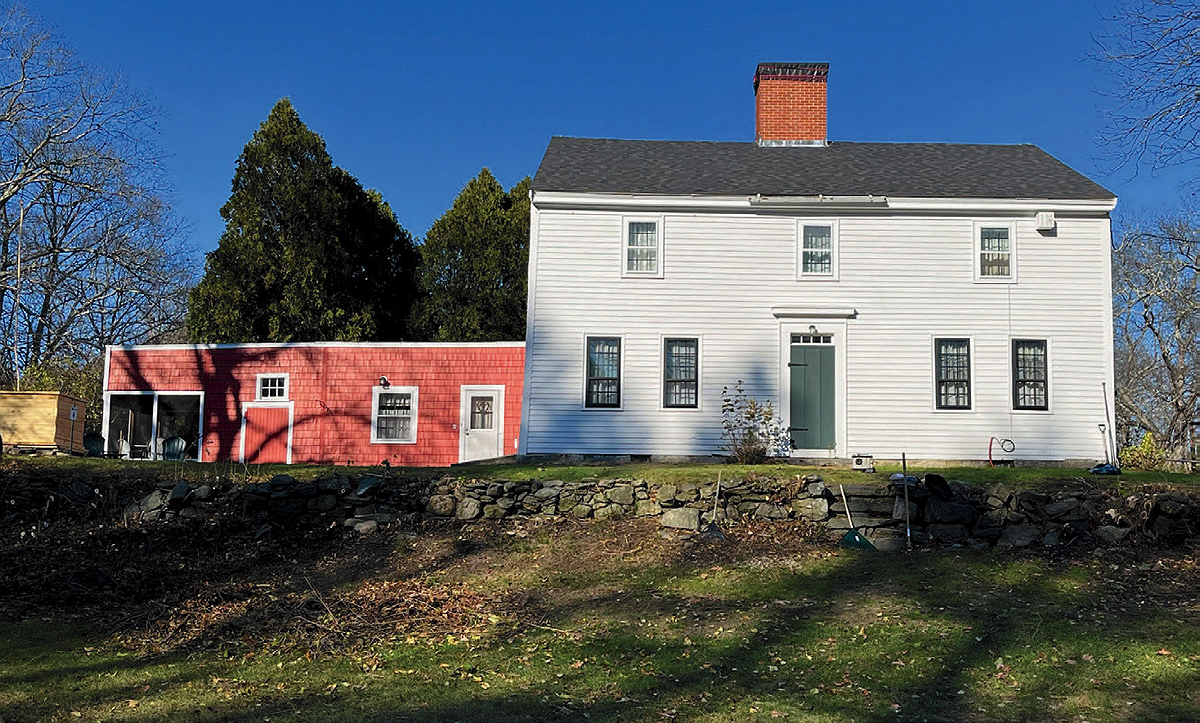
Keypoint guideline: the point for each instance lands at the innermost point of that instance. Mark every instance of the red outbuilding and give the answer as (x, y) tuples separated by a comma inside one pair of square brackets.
[(412, 404)]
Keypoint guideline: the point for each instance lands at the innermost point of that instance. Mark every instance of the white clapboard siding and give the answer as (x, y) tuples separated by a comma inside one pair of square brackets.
[(910, 278)]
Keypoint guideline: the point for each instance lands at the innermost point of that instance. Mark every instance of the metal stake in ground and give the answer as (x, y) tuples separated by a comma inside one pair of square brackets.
[(907, 513)]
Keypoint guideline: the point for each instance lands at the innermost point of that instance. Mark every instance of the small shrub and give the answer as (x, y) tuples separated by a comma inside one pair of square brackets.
[(753, 434), (1143, 455)]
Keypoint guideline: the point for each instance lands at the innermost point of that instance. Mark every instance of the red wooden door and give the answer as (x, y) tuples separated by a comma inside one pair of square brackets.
[(266, 435)]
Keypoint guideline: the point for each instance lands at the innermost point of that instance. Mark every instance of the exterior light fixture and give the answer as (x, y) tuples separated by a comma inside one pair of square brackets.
[(383, 381)]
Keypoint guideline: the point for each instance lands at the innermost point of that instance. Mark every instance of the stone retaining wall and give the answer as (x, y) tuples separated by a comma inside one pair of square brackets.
[(951, 513)]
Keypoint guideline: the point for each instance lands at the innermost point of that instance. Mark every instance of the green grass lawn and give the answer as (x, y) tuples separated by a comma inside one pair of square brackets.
[(608, 622)]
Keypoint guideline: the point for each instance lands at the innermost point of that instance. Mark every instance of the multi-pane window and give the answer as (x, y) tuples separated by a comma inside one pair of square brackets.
[(816, 250), (395, 415), (681, 372), (642, 248), (1030, 374), (995, 252), (603, 372), (272, 387), (482, 414), (953, 362)]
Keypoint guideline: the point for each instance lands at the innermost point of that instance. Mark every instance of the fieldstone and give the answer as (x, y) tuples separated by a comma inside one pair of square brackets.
[(1167, 528), (1172, 504), (813, 508), (1022, 535), (495, 490), (468, 509), (287, 507), (179, 495), (79, 490), (815, 487), (323, 503), (154, 502), (647, 508), (682, 518), (1110, 535), (442, 505), (947, 533), (581, 511), (506, 503), (366, 527), (899, 512), (606, 512), (666, 494), (203, 493), (621, 494), (768, 511), (687, 493), (1068, 509), (280, 482), (494, 512), (949, 513)]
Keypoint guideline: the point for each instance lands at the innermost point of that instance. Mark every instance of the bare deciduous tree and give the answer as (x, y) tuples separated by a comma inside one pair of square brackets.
[(1154, 52), (87, 249), (1157, 316)]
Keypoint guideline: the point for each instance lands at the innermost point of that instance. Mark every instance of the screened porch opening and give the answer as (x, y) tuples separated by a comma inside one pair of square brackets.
[(140, 425)]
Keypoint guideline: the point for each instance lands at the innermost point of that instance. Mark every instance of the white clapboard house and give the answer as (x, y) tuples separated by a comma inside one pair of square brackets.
[(925, 298)]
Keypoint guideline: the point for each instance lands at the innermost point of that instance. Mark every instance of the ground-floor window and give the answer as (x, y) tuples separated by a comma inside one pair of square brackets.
[(681, 372), (394, 415), (1030, 374), (953, 364), (603, 372)]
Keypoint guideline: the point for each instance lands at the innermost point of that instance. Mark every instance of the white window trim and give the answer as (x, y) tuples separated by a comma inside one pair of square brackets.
[(976, 252), (973, 379), (662, 373), (287, 387), (621, 388), (1012, 381), (834, 242), (392, 389), (658, 237)]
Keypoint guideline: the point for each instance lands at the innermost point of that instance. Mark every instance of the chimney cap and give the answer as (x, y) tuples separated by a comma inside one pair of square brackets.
[(812, 72)]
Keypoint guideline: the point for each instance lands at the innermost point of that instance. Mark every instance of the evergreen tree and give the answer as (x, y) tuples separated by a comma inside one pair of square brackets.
[(474, 265), (307, 253)]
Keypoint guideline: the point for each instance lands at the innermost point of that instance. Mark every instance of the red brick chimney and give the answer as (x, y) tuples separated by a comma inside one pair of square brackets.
[(789, 100)]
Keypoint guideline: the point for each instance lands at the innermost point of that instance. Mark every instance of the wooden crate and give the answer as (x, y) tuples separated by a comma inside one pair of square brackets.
[(42, 421)]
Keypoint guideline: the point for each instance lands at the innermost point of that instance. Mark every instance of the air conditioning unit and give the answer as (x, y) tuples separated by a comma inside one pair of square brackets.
[(1044, 220), (862, 462)]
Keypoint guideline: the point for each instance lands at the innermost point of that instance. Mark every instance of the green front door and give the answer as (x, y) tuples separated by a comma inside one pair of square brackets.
[(812, 402)]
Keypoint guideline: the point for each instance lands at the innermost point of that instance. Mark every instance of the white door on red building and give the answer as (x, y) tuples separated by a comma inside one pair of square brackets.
[(481, 431)]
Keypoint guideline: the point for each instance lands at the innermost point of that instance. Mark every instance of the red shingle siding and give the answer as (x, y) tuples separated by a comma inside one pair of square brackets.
[(330, 388)]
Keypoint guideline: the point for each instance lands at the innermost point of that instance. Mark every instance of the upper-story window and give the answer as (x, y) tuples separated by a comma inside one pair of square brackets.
[(817, 252), (642, 247), (271, 387), (995, 252)]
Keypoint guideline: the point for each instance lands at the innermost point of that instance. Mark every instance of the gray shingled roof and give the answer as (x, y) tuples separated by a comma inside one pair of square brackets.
[(918, 170)]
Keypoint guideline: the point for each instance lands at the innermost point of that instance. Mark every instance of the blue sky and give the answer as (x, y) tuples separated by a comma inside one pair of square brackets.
[(414, 98)]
